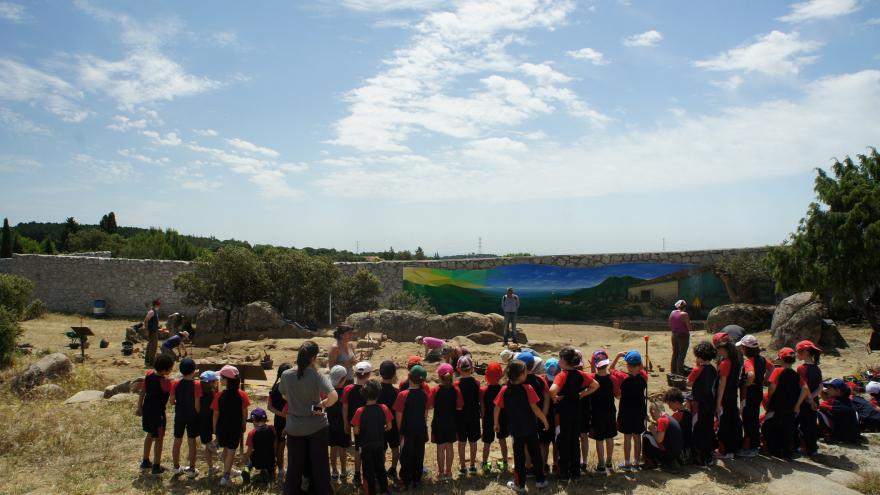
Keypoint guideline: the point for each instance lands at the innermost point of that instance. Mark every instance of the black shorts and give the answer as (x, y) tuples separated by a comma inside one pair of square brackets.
[(206, 430), (191, 426), (392, 437), (603, 428), (280, 425), (631, 424), (586, 415), (154, 424), (336, 437), (468, 430), (489, 431), (444, 434), (230, 439)]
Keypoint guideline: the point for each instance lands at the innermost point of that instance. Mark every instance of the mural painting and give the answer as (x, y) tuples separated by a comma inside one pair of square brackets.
[(620, 290)]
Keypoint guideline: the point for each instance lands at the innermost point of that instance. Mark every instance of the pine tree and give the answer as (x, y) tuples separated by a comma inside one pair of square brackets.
[(6, 241), (108, 223), (420, 253), (48, 246), (70, 227)]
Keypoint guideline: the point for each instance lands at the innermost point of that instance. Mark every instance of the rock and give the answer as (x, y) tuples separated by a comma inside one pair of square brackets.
[(135, 333), (56, 365), (543, 347), (404, 326), (49, 390), (467, 323), (258, 316), (85, 396), (368, 344), (121, 388), (831, 337), (211, 321), (752, 317), (797, 317), (497, 322), (484, 338), (124, 398)]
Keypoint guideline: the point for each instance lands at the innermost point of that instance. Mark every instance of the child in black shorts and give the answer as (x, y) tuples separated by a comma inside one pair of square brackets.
[(447, 400), (151, 408), (411, 412), (808, 420), (702, 383), (570, 386), (784, 398), (603, 424), (186, 397), (275, 404), (370, 423), (260, 444), (632, 412), (674, 399), (352, 399), (756, 370), (337, 439), (230, 419), (388, 372), (468, 419), (487, 402), (208, 380)]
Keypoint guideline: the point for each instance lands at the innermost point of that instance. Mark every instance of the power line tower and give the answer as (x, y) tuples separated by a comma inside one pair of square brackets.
[(479, 245)]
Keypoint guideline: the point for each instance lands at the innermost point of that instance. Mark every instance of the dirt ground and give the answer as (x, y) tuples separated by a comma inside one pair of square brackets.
[(115, 469)]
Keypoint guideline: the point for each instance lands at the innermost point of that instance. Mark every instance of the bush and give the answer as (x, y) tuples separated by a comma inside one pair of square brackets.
[(9, 332), (15, 292), (35, 310), (409, 301), (357, 293)]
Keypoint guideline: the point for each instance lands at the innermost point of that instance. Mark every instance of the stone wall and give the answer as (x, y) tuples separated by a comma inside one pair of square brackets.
[(72, 283)]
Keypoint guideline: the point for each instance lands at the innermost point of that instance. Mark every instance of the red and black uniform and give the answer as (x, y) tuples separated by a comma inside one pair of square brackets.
[(387, 397), (206, 415), (371, 421), (730, 432), (336, 436), (686, 424), (354, 399), (780, 428), (231, 418), (412, 404), (404, 385), (670, 449), (807, 419), (487, 398), (276, 400), (468, 418), (840, 423), (447, 401), (631, 410), (586, 414), (570, 384), (704, 379), (157, 389), (262, 440), (187, 393), (542, 389), (517, 400), (753, 395), (603, 424)]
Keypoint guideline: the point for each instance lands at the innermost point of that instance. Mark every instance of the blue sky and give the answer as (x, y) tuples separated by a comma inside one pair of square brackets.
[(548, 126)]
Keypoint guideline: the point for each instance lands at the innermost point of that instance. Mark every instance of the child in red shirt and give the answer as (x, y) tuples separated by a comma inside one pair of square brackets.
[(370, 422), (702, 383), (186, 395), (230, 419), (784, 398), (569, 387), (756, 370), (446, 399), (632, 412), (807, 418), (151, 408), (726, 403), (487, 403)]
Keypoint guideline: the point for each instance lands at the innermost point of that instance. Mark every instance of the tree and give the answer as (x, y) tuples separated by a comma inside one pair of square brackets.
[(403, 255), (6, 241), (358, 293), (743, 276), (228, 279), (15, 293), (70, 227), (388, 255), (48, 246), (108, 223), (25, 245), (420, 253), (288, 272), (835, 251), (9, 332)]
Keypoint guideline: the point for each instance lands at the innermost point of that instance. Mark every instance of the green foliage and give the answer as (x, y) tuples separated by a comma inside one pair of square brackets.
[(158, 245), (108, 223), (420, 253), (288, 272), (26, 245), (35, 309), (744, 275), (9, 332), (6, 240), (409, 301), (15, 292), (515, 255), (70, 227), (387, 255), (357, 293), (230, 278), (834, 251), (48, 246), (86, 240)]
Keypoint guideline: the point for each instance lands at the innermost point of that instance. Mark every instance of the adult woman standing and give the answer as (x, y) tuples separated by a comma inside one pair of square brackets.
[(308, 394), (151, 324), (342, 352), (680, 324)]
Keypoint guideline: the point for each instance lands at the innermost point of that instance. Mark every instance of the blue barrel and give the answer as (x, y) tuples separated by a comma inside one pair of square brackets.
[(99, 308)]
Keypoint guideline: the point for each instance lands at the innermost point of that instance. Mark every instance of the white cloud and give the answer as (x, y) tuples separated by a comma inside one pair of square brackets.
[(267, 175), (134, 155), (293, 168), (224, 38), (588, 54), (252, 148), (544, 73), (13, 12), (20, 125), (17, 163), (19, 82), (775, 54), (169, 139), (105, 171), (206, 132), (390, 5), (648, 38), (122, 123), (833, 116), (730, 84), (819, 10)]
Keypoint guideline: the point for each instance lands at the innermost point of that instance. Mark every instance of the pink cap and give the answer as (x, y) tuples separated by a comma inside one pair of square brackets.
[(444, 369), (229, 371)]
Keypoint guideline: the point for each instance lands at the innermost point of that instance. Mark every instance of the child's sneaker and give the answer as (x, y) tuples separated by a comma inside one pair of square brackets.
[(157, 469), (718, 455), (609, 466), (462, 471), (487, 468), (226, 480), (472, 469), (747, 452), (246, 474), (542, 484), (176, 470), (212, 471), (191, 472), (600, 469), (513, 486), (146, 464), (281, 475), (583, 467), (623, 466), (502, 466)]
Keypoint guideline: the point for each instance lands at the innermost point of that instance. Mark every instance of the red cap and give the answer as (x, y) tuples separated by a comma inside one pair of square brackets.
[(494, 372), (853, 386), (786, 352), (412, 361), (719, 338), (807, 344)]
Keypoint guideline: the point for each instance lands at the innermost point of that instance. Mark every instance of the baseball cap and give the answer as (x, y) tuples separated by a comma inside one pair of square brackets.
[(786, 352), (719, 338), (229, 371), (465, 363), (209, 376), (494, 372), (873, 388), (749, 341), (418, 371), (184, 334), (363, 368), (836, 383), (187, 366), (633, 358), (551, 367), (600, 358), (337, 374), (580, 356), (413, 360), (527, 358), (387, 369), (539, 364), (258, 414), (680, 303), (444, 369), (807, 344), (419, 339), (506, 355)]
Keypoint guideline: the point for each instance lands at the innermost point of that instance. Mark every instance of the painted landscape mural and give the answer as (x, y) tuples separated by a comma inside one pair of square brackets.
[(620, 290)]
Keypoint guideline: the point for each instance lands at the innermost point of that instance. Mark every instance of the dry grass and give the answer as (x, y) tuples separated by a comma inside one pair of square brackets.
[(869, 483)]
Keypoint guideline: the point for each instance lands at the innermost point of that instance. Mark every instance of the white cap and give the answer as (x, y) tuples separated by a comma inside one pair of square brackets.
[(604, 362), (363, 367), (507, 355), (873, 388), (680, 303), (337, 374), (539, 365), (749, 341)]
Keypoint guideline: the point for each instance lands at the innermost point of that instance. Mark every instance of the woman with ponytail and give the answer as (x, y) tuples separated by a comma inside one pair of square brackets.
[(342, 352)]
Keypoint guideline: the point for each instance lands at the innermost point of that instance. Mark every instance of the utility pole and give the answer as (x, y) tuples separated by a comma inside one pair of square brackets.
[(479, 245), (664, 244), (357, 250)]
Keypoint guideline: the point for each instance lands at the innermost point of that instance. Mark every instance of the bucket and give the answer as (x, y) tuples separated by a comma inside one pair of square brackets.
[(99, 307)]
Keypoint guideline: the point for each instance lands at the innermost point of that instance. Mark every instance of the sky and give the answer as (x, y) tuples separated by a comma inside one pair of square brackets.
[(542, 126)]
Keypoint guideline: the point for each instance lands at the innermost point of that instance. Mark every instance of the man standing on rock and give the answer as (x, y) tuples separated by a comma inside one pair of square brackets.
[(151, 323), (680, 324), (510, 305)]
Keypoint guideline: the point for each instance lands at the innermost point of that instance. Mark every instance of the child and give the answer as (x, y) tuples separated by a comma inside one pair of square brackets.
[(551, 369), (520, 402), (839, 420), (603, 427), (873, 389), (230, 418), (410, 362), (411, 415), (756, 370), (151, 408), (352, 399), (388, 372), (337, 439), (807, 419), (726, 402), (487, 403), (468, 418), (674, 399), (542, 388), (186, 395), (784, 398), (702, 383), (261, 444), (276, 405), (208, 380), (371, 422), (569, 387), (663, 440), (632, 413), (447, 400), (430, 343)]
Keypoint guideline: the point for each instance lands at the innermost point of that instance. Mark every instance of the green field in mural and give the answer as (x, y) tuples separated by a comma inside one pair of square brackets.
[(620, 290)]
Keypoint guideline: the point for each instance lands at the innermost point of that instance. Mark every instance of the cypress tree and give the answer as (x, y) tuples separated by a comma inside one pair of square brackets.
[(6, 241)]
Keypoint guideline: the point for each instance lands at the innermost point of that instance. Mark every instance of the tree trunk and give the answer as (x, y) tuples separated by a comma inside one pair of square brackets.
[(728, 286)]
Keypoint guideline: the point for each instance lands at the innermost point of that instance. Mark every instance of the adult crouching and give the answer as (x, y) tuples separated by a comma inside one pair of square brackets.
[(307, 426)]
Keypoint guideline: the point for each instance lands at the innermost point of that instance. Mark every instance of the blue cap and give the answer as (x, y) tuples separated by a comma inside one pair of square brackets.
[(633, 358), (209, 376), (258, 414), (551, 367), (526, 357), (836, 383)]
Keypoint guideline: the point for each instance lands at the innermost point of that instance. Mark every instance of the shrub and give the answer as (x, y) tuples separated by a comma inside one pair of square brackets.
[(35, 310), (15, 292), (9, 332), (409, 301), (357, 293)]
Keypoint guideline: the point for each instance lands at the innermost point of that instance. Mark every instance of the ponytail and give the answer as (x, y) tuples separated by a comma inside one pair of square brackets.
[(815, 354), (281, 369), (304, 357)]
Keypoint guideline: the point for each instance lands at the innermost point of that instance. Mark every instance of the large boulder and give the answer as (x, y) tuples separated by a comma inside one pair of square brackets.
[(797, 317), (468, 322), (484, 338), (258, 316), (403, 326), (56, 365), (210, 321), (752, 317)]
